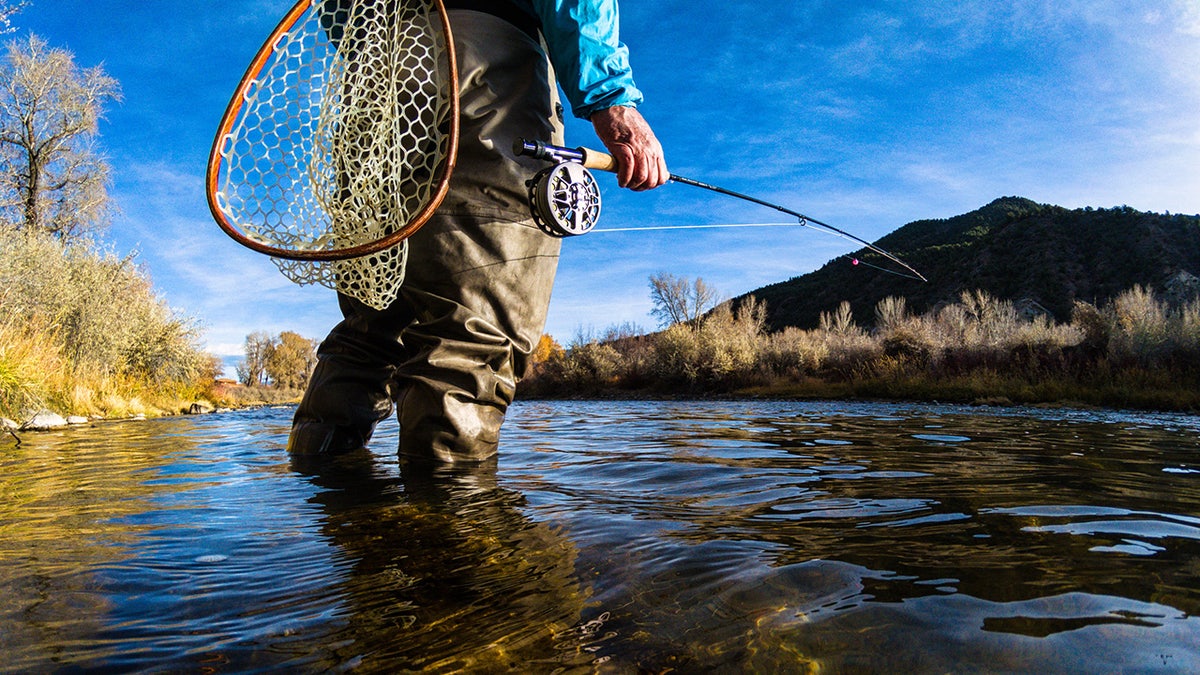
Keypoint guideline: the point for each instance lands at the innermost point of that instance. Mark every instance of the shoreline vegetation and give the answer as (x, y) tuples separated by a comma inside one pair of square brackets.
[(84, 337), (83, 334), (1136, 351)]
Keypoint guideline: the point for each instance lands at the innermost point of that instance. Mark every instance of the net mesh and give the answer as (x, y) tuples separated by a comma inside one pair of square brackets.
[(339, 139)]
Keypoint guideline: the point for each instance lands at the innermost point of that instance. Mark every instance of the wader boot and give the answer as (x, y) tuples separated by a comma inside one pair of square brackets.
[(348, 393)]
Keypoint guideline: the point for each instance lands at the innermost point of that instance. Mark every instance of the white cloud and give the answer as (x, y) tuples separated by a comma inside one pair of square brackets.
[(1189, 17), (202, 272)]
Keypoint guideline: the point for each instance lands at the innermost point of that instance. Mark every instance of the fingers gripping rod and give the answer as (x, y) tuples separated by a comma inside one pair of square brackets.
[(594, 159)]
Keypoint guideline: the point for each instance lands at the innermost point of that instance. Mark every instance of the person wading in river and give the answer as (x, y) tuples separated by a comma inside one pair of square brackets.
[(450, 350)]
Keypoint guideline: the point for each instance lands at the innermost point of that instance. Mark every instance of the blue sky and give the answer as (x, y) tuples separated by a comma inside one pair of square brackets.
[(866, 115)]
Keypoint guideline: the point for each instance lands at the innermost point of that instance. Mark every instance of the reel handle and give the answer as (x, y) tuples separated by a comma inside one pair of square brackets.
[(591, 159)]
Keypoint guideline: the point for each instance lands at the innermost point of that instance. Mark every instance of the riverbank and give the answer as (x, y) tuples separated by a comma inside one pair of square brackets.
[(976, 391), (1131, 391), (221, 396), (82, 332), (1136, 352)]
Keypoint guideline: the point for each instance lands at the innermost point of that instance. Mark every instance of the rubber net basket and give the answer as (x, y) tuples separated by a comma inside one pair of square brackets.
[(342, 139)]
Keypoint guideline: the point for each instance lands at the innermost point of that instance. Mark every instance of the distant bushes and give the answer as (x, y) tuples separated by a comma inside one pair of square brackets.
[(82, 331), (1135, 350)]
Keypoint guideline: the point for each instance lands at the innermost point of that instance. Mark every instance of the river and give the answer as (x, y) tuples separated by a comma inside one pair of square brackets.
[(614, 537)]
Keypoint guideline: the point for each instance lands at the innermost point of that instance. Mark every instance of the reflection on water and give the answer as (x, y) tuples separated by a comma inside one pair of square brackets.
[(615, 537)]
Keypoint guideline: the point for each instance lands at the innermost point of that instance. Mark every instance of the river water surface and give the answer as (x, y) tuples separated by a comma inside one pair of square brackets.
[(614, 537)]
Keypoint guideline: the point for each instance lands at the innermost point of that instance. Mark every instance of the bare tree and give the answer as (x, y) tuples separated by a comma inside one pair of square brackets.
[(7, 9), (678, 300), (253, 371), (52, 175)]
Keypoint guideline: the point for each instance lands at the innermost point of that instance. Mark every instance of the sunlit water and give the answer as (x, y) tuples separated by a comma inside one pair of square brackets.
[(614, 537)]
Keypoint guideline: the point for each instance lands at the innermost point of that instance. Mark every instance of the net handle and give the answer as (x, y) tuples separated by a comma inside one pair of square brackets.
[(234, 107)]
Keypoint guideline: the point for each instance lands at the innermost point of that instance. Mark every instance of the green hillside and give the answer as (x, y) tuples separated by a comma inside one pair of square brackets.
[(1036, 255)]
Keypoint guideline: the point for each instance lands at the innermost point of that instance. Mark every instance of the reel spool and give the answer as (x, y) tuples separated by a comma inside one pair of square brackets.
[(565, 200)]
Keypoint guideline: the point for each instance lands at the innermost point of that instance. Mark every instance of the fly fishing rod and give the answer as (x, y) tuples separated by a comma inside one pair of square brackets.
[(566, 199)]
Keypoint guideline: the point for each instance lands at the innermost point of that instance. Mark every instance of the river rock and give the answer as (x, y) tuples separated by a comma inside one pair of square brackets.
[(77, 419), (10, 425), (45, 421), (199, 408)]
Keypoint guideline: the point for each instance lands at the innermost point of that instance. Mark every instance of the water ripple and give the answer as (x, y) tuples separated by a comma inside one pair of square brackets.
[(615, 537)]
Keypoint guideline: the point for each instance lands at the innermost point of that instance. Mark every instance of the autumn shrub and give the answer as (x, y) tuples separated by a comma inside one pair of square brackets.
[(99, 314), (891, 313), (849, 347), (1185, 335), (587, 366), (792, 352), (546, 349), (908, 346), (637, 361), (730, 341), (1139, 324), (718, 350), (677, 354), (970, 334), (990, 322)]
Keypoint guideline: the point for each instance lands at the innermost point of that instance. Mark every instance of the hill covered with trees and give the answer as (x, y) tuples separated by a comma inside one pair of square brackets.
[(1041, 257)]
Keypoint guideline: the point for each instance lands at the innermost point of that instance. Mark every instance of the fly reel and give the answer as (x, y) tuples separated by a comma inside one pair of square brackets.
[(565, 200)]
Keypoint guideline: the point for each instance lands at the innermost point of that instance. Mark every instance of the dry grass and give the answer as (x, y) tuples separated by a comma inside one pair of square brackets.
[(28, 367), (82, 332)]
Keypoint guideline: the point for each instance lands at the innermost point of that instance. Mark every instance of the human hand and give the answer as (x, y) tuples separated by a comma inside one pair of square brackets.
[(639, 155)]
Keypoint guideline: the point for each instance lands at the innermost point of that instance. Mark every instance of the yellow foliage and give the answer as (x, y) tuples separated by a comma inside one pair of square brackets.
[(547, 348), (28, 364)]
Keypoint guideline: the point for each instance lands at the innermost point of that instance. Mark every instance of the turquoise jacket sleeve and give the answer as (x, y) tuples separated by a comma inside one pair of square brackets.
[(590, 61)]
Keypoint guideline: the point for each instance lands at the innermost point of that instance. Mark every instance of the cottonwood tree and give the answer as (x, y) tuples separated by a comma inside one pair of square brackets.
[(291, 360), (678, 300), (253, 370), (285, 360), (53, 177)]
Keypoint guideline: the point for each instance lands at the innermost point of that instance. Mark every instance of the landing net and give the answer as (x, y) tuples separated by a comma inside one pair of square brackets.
[(340, 142)]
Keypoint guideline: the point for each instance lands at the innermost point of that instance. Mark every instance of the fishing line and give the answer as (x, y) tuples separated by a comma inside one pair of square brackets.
[(651, 228), (807, 221), (859, 261)]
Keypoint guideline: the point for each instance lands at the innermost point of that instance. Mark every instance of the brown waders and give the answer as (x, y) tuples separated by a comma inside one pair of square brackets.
[(450, 350)]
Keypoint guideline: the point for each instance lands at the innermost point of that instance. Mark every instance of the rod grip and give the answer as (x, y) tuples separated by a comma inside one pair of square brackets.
[(600, 161)]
